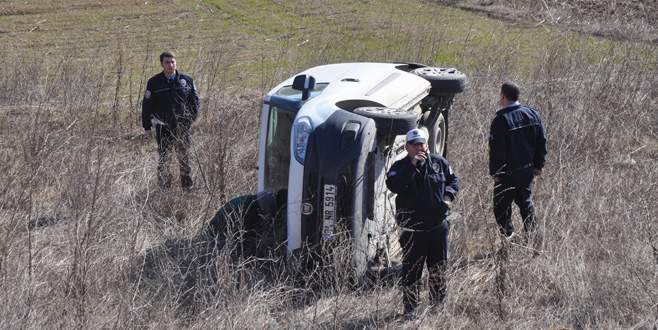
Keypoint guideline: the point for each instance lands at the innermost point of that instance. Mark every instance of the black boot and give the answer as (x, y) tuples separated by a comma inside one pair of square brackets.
[(186, 183)]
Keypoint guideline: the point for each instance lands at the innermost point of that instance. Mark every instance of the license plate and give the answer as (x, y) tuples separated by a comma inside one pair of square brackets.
[(329, 212)]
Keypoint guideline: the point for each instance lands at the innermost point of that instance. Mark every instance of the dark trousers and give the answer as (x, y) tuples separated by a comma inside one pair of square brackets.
[(179, 138), (420, 248), (516, 187)]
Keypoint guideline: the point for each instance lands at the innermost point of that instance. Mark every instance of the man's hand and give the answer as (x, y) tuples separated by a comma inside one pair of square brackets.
[(538, 171), (420, 157), (148, 134)]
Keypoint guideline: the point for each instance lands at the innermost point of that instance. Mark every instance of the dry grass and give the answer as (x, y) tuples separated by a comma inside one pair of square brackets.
[(86, 241), (621, 20)]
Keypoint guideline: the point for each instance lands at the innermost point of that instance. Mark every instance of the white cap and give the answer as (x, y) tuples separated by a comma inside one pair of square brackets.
[(417, 135)]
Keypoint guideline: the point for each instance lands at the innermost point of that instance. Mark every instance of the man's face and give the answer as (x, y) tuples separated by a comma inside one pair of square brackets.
[(414, 149), (169, 65)]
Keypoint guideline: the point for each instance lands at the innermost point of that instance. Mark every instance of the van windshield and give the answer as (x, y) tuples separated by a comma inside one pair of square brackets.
[(277, 148)]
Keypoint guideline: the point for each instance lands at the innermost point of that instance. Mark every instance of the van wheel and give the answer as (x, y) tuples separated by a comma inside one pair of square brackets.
[(389, 121), (245, 227), (438, 134), (443, 80)]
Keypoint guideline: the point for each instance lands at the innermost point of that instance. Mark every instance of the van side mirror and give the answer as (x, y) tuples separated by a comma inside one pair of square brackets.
[(305, 84)]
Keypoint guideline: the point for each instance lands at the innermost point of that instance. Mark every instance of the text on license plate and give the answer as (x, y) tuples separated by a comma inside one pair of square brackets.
[(329, 212)]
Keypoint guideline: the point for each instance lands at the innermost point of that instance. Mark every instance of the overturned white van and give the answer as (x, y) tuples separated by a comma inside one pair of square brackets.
[(327, 137)]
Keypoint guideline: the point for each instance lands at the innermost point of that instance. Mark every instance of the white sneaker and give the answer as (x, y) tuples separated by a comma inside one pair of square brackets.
[(512, 237)]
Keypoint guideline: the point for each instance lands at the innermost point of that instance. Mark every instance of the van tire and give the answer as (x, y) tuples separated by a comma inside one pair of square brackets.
[(389, 121), (443, 80), (245, 227), (438, 134)]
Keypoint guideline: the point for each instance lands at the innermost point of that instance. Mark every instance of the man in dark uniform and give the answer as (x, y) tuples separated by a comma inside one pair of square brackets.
[(425, 186), (517, 151), (171, 104)]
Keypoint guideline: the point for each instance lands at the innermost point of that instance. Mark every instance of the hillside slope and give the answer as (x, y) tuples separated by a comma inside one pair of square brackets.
[(622, 20), (88, 241)]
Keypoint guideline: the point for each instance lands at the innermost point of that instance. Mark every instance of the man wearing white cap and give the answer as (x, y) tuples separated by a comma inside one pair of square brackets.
[(425, 186)]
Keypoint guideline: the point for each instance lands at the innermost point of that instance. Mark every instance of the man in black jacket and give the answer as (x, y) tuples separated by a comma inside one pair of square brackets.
[(425, 186), (171, 104), (517, 152)]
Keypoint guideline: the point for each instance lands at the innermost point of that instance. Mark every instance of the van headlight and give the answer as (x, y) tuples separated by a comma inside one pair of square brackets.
[(301, 132)]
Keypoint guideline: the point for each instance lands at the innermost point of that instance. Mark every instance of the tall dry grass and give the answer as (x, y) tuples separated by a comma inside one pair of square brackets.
[(595, 200), (89, 242), (620, 20)]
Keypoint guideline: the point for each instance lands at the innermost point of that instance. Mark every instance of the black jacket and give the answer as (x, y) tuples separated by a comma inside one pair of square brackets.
[(516, 141), (421, 191), (172, 101)]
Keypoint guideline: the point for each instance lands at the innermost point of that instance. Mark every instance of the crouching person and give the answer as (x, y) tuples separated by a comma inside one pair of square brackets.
[(425, 186)]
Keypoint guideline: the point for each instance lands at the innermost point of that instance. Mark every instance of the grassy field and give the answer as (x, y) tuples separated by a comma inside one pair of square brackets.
[(87, 241), (620, 20)]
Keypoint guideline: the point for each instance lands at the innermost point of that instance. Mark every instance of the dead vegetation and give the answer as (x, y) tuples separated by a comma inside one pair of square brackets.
[(87, 241), (634, 20)]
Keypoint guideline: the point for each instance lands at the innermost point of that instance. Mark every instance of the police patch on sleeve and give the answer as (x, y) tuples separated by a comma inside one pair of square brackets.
[(392, 173), (183, 83), (147, 94)]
